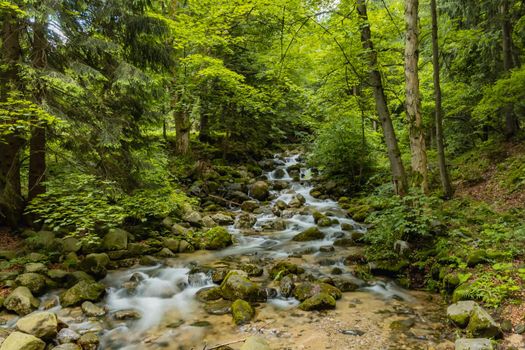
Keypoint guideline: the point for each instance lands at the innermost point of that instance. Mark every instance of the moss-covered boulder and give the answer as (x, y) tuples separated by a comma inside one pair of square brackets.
[(218, 307), (307, 290), (260, 190), (115, 239), (242, 312), (477, 321), (21, 301), (42, 325), (178, 245), (35, 268), (95, 264), (460, 312), (283, 268), (216, 238), (82, 291), (22, 341), (359, 212), (34, 281), (236, 287), (477, 257), (70, 244), (42, 240), (252, 270), (310, 234), (209, 294), (321, 301)]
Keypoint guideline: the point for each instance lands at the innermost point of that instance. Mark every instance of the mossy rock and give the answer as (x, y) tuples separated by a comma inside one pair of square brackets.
[(242, 312), (209, 294), (95, 264), (236, 287), (252, 270), (216, 238), (307, 290), (360, 212), (34, 281), (310, 234), (21, 301), (283, 268), (321, 301), (477, 257), (388, 268), (82, 291)]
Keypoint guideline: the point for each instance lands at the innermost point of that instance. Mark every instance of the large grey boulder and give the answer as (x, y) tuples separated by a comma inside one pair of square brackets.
[(260, 190), (21, 301), (82, 291), (22, 341), (477, 321), (34, 281), (40, 324), (95, 264)]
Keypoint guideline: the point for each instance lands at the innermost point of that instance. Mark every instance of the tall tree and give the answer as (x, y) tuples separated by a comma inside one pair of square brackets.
[(511, 122), (394, 155), (443, 171), (413, 99)]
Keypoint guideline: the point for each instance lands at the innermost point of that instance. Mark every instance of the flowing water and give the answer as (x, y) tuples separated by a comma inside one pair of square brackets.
[(172, 318)]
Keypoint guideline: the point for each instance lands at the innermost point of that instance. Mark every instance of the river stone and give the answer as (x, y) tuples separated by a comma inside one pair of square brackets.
[(178, 245), (22, 341), (217, 238), (245, 221), (283, 268), (40, 324), (130, 314), (115, 239), (148, 260), (36, 257), (89, 341), (286, 286), (249, 206), (310, 234), (460, 312), (242, 312), (472, 316), (192, 217), (297, 201), (67, 346), (321, 301), (35, 268), (208, 294), (223, 219), (255, 343), (67, 335), (92, 310), (346, 284), (252, 270), (218, 307), (71, 244), (260, 190), (21, 301), (57, 275), (307, 290), (82, 291), (473, 344), (41, 240), (236, 287), (34, 281), (166, 253), (95, 264)]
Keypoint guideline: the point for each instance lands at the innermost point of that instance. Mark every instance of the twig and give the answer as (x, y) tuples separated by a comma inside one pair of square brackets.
[(232, 342)]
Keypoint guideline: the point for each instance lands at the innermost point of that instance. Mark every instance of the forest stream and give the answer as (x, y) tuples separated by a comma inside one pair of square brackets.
[(161, 309)]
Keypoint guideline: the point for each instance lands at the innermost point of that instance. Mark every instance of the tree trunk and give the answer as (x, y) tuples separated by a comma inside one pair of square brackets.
[(413, 100), (511, 122), (11, 200), (442, 164), (394, 155), (37, 143), (182, 129), (204, 128)]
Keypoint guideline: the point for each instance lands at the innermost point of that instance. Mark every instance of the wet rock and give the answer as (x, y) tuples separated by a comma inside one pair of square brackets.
[(22, 341), (472, 316), (219, 275), (166, 253), (326, 249), (115, 239), (249, 206), (307, 290), (58, 275), (129, 314), (280, 185), (275, 225), (255, 343), (279, 173), (89, 341), (280, 205), (223, 219), (208, 222), (236, 286), (477, 257), (92, 310), (473, 344), (506, 326), (354, 332), (520, 329), (178, 245), (297, 201), (387, 268), (36, 257), (346, 284), (320, 301), (148, 260), (42, 240), (35, 268), (192, 217), (67, 335), (82, 291), (242, 312), (217, 238), (260, 190), (21, 301), (218, 307), (287, 286), (252, 270), (209, 293), (70, 244), (402, 325), (344, 242), (77, 276), (95, 264), (283, 268), (40, 324), (401, 247), (245, 221), (34, 281), (310, 234), (67, 346)]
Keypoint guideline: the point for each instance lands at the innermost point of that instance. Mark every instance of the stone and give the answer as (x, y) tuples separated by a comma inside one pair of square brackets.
[(82, 291), (148, 260), (92, 310), (216, 238), (35, 268), (327, 249), (249, 206), (473, 344), (21, 301), (307, 290), (346, 283), (22, 341), (130, 314), (208, 222), (297, 201), (7, 254), (71, 244), (223, 219), (192, 217), (57, 275), (310, 234), (115, 239), (42, 325), (321, 301), (67, 346), (242, 312), (460, 312), (245, 221), (252, 270), (218, 307), (477, 321), (34, 281), (236, 287), (166, 253), (283, 268), (178, 245), (95, 264), (286, 286), (255, 343), (260, 190), (89, 341), (209, 294), (41, 240), (67, 335)]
